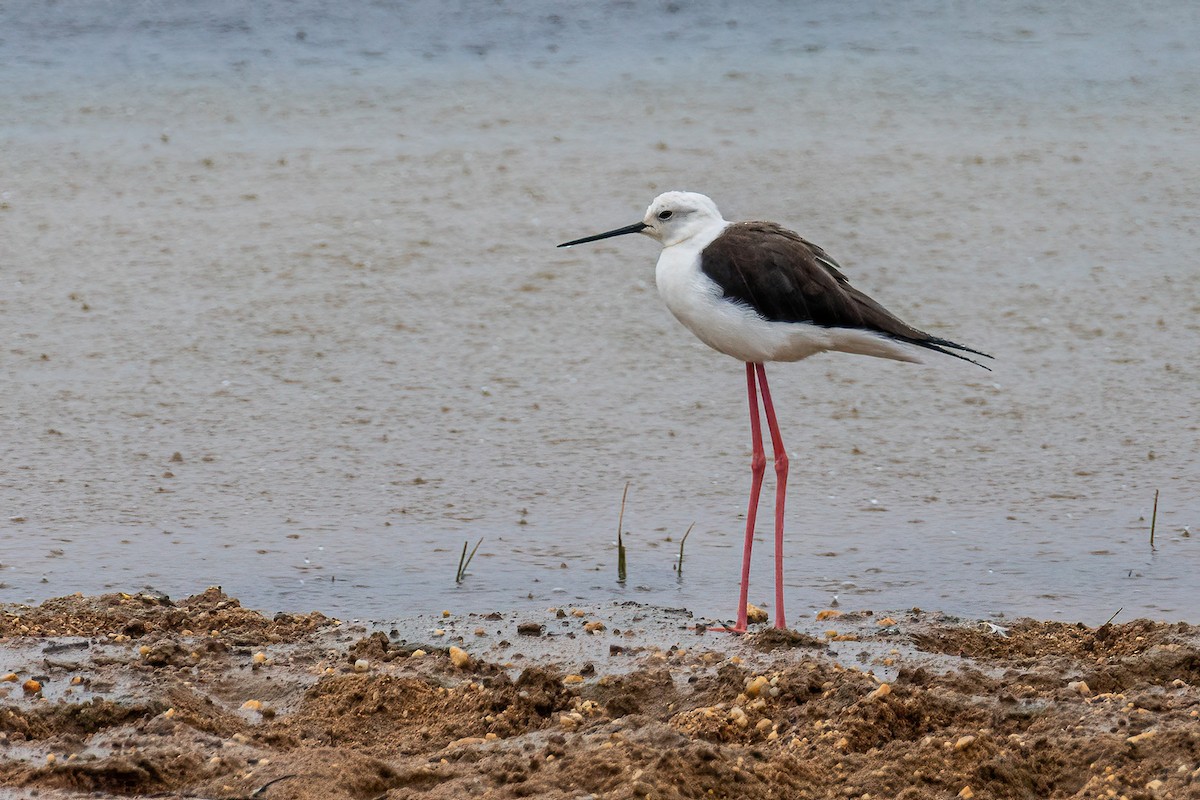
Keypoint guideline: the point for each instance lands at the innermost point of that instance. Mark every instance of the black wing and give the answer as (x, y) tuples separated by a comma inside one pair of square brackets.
[(785, 278)]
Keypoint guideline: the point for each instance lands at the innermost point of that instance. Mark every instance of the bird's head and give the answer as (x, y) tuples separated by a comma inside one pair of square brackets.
[(675, 217), (672, 217)]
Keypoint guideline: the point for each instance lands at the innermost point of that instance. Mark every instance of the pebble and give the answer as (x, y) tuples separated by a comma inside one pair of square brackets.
[(259, 658), (755, 614), (11, 677), (573, 679), (828, 613), (885, 622), (480, 632), (252, 705), (966, 793), (880, 691), (1142, 737), (415, 654), (964, 742), (465, 741), (1079, 686), (459, 657), (756, 685), (593, 627), (439, 632), (32, 686), (362, 664), (529, 629)]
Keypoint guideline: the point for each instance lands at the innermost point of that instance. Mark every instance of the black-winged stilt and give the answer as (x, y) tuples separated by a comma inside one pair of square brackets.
[(759, 292)]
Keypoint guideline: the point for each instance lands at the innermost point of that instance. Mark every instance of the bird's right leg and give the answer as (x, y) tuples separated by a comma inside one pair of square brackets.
[(758, 467)]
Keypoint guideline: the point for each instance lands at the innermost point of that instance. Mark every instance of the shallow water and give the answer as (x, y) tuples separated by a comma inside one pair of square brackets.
[(313, 254)]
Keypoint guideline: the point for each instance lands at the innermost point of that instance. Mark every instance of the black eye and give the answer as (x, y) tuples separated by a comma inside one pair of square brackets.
[(664, 215)]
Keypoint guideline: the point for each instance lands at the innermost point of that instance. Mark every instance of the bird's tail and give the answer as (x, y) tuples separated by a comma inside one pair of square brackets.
[(948, 347)]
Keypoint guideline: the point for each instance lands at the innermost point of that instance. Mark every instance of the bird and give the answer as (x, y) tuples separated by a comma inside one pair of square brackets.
[(761, 293)]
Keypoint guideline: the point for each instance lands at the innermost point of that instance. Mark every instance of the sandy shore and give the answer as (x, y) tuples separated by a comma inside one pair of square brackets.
[(140, 695)]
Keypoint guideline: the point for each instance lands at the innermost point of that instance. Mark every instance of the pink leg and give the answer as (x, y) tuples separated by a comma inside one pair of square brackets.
[(781, 472), (758, 466)]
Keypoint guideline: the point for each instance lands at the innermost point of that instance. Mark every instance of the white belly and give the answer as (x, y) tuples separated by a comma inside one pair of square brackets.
[(735, 329)]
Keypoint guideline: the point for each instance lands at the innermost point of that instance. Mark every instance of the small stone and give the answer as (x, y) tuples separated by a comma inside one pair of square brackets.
[(362, 664), (578, 612), (252, 705), (1142, 737), (415, 654), (530, 629), (755, 614), (964, 742), (259, 658), (883, 623), (1079, 687), (10, 677), (763, 724), (880, 691), (966, 793), (480, 632), (465, 741), (459, 657), (756, 685), (593, 627), (445, 614), (828, 613), (32, 686), (439, 632), (1154, 785), (573, 679)]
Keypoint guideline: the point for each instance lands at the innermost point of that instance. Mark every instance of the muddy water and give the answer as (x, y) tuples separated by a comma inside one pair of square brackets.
[(313, 255)]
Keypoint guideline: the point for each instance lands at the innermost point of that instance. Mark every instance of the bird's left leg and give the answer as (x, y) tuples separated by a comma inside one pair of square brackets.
[(781, 473), (758, 466)]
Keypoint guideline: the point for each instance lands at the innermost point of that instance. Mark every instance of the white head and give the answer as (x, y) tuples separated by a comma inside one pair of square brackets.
[(675, 217), (672, 218)]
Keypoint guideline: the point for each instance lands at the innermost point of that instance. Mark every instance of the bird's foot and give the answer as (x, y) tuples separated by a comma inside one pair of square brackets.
[(727, 629)]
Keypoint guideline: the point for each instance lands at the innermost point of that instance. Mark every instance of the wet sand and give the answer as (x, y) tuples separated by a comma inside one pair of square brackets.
[(138, 695), (283, 313)]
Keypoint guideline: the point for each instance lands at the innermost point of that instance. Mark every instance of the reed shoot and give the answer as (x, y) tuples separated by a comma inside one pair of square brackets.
[(679, 566), (620, 541), (1153, 517), (464, 560)]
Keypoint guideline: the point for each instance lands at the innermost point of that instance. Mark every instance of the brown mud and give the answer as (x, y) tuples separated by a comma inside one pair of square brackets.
[(136, 695)]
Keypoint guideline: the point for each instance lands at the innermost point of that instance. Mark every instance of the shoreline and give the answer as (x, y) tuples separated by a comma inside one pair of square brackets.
[(139, 694)]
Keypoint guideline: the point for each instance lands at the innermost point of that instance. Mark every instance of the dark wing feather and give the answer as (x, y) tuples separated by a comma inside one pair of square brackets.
[(786, 278)]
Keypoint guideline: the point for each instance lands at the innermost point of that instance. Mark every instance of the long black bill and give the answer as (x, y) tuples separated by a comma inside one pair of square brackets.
[(636, 228)]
